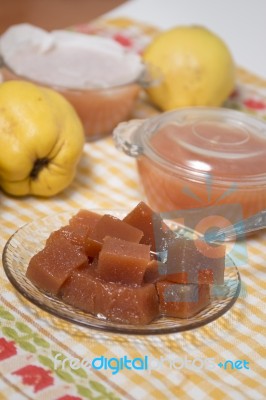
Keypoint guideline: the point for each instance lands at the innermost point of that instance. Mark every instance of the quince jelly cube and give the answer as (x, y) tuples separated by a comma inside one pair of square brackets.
[(182, 301), (156, 232), (195, 261), (50, 268), (112, 226), (123, 261)]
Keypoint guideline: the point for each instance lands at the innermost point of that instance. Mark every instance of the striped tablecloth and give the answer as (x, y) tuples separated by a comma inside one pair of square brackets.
[(30, 338)]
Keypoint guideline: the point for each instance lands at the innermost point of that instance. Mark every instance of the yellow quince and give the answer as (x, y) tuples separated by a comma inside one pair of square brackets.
[(196, 67), (41, 140)]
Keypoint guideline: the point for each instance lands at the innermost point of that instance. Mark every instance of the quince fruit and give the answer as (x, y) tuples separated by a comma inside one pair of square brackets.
[(196, 67), (41, 140)]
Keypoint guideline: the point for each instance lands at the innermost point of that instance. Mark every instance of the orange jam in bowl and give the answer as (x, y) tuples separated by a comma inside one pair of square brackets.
[(97, 75), (199, 157), (99, 110)]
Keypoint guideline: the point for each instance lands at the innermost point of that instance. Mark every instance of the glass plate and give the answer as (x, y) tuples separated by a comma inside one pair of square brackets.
[(31, 238)]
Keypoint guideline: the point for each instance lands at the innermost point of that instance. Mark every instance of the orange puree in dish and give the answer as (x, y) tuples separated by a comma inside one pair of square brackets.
[(99, 110), (231, 158)]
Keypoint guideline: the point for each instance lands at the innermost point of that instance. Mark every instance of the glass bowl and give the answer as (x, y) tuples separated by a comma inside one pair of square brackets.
[(31, 238), (199, 157), (99, 110)]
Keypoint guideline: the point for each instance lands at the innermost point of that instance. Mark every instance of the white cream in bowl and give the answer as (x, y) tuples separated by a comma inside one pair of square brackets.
[(68, 59)]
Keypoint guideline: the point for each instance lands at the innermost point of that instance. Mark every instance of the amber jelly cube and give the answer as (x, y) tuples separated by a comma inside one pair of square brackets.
[(112, 226), (127, 304), (195, 261), (113, 301), (123, 261), (49, 268), (156, 232), (85, 218), (182, 301), (80, 289), (155, 272), (76, 234)]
